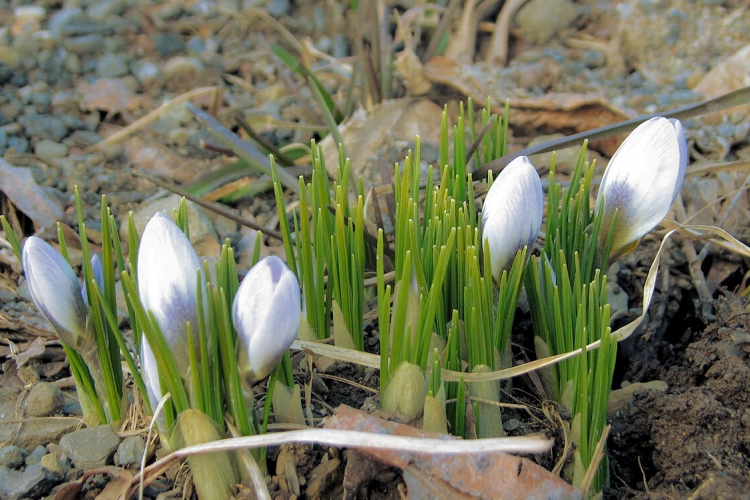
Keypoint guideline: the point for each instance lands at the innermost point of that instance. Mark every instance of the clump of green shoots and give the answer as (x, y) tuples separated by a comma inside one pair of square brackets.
[(201, 336), (566, 284)]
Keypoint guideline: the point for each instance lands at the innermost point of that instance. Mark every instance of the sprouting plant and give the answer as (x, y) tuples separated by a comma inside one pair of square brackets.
[(84, 316), (567, 285)]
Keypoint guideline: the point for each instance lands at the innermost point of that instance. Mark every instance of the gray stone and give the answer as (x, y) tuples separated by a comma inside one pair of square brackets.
[(12, 456), (56, 463), (35, 456), (44, 127), (60, 19), (168, 44), (33, 482), (181, 68), (111, 66), (130, 451), (44, 400), (278, 7), (85, 44), (10, 56), (539, 20), (20, 144), (617, 298), (101, 11), (147, 72), (48, 150), (92, 447), (83, 138)]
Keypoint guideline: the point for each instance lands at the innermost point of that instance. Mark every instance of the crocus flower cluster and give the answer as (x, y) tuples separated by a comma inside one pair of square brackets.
[(640, 184), (266, 309)]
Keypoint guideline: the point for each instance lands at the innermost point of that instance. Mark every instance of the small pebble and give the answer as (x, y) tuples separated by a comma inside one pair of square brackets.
[(20, 144), (83, 45), (35, 456), (91, 447), (278, 8), (168, 44), (60, 19), (180, 68), (44, 126), (12, 456), (130, 451), (111, 66), (101, 11), (10, 57), (44, 400)]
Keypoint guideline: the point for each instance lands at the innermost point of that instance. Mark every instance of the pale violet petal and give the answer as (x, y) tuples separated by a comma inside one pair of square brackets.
[(167, 283), (55, 290), (642, 179), (96, 267), (150, 373), (512, 212), (266, 314)]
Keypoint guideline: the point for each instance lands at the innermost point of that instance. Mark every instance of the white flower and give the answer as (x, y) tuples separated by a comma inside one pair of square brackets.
[(641, 181), (266, 314), (512, 213), (56, 292), (167, 285)]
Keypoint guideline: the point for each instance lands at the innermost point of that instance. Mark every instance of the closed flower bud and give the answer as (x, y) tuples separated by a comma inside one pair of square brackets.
[(56, 292), (167, 285), (642, 180), (266, 314), (512, 213)]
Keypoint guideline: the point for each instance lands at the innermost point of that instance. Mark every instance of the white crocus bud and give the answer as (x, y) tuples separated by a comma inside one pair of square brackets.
[(512, 213), (641, 181), (56, 292), (167, 285), (266, 314)]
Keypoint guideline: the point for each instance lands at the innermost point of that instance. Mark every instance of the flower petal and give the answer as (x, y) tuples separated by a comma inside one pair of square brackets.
[(512, 212), (96, 267), (167, 283), (55, 290), (266, 314), (642, 180)]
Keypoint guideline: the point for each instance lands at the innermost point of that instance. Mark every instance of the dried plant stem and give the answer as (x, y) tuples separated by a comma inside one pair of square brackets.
[(151, 117), (498, 52)]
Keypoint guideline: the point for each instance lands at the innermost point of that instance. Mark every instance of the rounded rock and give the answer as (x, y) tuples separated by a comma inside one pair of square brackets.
[(44, 400)]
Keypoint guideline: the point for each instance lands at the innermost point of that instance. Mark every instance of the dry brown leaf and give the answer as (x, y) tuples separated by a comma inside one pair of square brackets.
[(30, 351), (728, 75), (487, 475), (567, 113), (120, 477), (160, 161), (387, 132), (106, 94), (19, 186)]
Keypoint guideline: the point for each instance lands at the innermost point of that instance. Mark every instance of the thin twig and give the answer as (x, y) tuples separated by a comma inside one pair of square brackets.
[(151, 117)]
